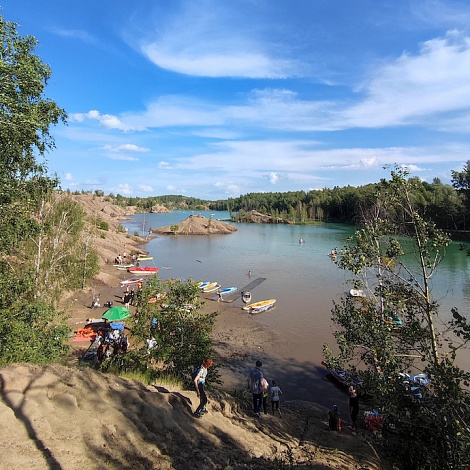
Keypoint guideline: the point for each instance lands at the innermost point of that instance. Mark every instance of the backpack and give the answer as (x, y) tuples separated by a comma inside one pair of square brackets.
[(264, 384), (195, 372)]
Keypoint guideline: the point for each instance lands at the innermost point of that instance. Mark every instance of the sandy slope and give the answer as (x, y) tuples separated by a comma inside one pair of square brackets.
[(68, 418)]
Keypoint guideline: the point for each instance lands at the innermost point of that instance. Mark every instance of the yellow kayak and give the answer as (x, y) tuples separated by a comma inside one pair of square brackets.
[(209, 287), (261, 305)]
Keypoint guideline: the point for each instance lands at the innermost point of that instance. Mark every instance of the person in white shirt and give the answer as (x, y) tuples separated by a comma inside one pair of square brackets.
[(275, 397)]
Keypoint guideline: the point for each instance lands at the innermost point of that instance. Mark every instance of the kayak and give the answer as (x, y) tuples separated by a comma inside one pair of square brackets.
[(227, 290), (260, 306)]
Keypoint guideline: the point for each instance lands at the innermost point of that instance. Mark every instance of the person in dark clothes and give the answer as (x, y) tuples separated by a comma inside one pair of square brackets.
[(353, 408)]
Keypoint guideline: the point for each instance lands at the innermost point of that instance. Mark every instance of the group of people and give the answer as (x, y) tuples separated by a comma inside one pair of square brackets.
[(261, 390), (334, 416), (122, 259), (111, 343), (257, 384), (128, 297)]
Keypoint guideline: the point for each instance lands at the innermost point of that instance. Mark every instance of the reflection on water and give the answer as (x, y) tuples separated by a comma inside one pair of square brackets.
[(301, 276)]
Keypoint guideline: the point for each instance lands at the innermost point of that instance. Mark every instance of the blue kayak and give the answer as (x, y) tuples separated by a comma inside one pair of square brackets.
[(227, 290)]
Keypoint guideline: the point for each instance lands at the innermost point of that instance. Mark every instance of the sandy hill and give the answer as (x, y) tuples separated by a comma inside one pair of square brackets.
[(56, 417)]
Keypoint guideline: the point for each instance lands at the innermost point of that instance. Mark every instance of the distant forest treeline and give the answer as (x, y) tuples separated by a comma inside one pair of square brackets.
[(447, 205)]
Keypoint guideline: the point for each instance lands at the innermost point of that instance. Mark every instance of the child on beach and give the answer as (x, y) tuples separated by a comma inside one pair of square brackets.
[(265, 388), (334, 419), (275, 397)]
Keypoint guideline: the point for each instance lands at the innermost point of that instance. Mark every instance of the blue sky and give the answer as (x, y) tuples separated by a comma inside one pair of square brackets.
[(217, 98)]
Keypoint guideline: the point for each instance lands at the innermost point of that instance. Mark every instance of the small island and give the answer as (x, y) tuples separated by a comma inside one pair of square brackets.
[(197, 225)]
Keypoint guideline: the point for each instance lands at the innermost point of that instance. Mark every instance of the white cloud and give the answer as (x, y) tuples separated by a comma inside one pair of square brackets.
[(106, 120), (217, 64), (228, 188), (369, 162), (125, 148), (412, 168), (164, 165), (273, 177), (145, 187), (217, 41), (124, 158), (80, 34), (68, 177), (415, 88), (124, 189), (170, 187)]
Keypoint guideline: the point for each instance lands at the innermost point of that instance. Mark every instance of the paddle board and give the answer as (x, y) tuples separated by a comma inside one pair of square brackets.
[(227, 290), (132, 280), (209, 286)]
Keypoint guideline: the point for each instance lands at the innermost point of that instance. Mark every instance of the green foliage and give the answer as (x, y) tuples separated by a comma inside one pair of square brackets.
[(180, 330), (30, 328), (32, 333), (372, 343), (103, 225)]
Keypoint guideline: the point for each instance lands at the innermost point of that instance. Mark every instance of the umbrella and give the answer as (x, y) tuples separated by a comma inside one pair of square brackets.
[(116, 313)]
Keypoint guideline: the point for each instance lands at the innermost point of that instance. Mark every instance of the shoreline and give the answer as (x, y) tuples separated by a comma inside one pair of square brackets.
[(239, 339)]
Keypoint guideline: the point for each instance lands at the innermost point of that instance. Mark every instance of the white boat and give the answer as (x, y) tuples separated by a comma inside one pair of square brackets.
[(356, 293)]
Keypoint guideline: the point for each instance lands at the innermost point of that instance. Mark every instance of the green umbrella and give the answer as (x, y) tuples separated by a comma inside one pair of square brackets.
[(116, 313)]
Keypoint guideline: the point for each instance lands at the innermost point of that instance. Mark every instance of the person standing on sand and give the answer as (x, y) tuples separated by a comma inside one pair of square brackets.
[(275, 397), (254, 384), (334, 419), (265, 388), (199, 384), (353, 408)]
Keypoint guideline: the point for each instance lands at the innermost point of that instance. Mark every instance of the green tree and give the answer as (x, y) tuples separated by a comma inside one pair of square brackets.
[(30, 328), (180, 330), (461, 182), (393, 259)]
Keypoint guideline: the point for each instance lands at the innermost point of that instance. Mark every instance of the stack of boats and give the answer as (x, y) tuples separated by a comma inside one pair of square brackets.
[(209, 286)]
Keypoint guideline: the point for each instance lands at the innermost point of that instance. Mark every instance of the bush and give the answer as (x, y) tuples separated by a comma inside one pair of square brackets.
[(104, 225)]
